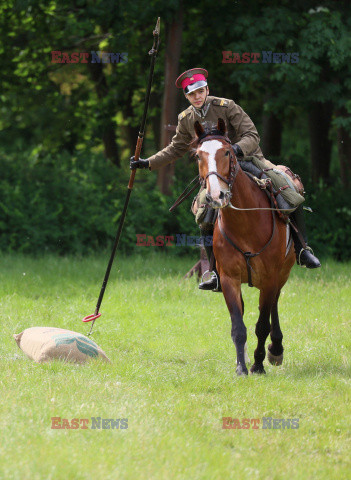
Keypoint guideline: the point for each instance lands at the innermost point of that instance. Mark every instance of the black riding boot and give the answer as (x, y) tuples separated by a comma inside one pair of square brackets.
[(213, 283), (304, 254)]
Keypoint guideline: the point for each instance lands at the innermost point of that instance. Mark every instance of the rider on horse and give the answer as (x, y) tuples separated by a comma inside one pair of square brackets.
[(245, 140)]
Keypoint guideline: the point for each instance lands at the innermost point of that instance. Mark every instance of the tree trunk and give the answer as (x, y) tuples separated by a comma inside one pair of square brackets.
[(107, 125), (155, 120), (272, 136), (169, 107), (129, 133), (344, 150), (319, 119)]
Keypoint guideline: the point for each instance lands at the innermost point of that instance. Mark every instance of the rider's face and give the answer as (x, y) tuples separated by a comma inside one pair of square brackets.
[(197, 97)]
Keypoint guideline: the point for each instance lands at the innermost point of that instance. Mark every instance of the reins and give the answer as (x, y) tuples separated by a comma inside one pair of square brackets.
[(185, 193), (230, 205), (234, 169)]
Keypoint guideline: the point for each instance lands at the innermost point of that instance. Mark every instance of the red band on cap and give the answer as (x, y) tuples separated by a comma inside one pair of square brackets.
[(193, 79)]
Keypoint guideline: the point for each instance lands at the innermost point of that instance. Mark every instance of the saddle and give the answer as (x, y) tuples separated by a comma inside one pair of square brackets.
[(279, 182)]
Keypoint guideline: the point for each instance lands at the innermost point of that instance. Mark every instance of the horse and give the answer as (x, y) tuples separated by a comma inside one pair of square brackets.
[(249, 243)]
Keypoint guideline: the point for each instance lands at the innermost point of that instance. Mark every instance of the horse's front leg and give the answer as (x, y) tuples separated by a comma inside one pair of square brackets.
[(232, 294)]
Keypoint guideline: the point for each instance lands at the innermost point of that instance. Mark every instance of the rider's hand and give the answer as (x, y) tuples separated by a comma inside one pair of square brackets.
[(141, 163), (237, 150)]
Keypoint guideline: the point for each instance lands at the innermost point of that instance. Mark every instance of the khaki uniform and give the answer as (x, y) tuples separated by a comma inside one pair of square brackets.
[(240, 130)]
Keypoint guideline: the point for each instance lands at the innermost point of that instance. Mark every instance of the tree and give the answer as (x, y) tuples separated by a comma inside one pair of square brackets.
[(169, 104)]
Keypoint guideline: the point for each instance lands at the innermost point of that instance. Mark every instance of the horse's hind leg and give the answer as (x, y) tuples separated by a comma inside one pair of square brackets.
[(247, 358), (262, 331), (275, 349)]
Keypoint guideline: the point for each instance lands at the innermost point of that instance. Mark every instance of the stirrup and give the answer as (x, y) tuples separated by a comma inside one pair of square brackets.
[(302, 250), (213, 273), (311, 261)]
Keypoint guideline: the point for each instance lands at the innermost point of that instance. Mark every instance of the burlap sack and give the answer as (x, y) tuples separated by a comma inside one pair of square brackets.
[(43, 344)]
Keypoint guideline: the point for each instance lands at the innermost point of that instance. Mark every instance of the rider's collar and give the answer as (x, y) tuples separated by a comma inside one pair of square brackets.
[(202, 112)]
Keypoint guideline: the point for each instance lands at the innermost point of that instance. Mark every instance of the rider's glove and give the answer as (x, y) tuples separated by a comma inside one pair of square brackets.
[(141, 163), (237, 150)]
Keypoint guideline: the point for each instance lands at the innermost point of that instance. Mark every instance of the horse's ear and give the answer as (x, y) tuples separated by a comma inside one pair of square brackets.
[(221, 126), (199, 130)]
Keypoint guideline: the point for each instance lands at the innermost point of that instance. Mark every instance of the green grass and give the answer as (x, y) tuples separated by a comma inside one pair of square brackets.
[(172, 375)]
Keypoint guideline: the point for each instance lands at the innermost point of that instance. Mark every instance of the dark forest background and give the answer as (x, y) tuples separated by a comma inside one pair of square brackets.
[(67, 130)]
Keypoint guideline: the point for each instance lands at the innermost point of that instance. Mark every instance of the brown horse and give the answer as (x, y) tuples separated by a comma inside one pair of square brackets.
[(249, 243)]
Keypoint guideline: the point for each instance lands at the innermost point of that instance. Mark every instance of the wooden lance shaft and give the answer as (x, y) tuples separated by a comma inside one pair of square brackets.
[(136, 157), (153, 54)]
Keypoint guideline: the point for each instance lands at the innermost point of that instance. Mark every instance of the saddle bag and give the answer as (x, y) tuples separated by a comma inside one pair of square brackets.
[(288, 188)]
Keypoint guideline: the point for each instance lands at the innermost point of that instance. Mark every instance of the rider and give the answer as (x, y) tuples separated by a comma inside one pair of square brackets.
[(245, 140)]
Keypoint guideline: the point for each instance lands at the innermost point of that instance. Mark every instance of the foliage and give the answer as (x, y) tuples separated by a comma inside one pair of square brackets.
[(58, 191), (72, 204), (320, 36), (329, 227)]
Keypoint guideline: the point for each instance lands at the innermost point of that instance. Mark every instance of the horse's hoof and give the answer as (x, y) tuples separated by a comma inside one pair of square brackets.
[(274, 359), (241, 370), (257, 369)]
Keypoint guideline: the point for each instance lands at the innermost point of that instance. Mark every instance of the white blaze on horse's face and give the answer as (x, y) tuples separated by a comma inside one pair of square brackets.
[(214, 189)]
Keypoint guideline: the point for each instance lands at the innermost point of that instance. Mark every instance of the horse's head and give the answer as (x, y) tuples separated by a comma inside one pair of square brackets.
[(217, 163)]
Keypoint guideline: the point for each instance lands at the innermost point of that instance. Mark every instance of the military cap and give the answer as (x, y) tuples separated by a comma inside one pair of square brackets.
[(192, 79)]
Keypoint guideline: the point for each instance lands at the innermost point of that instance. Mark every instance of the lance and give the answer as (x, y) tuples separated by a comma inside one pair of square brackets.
[(153, 54)]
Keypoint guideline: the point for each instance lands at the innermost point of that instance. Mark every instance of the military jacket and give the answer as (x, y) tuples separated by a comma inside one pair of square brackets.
[(240, 130)]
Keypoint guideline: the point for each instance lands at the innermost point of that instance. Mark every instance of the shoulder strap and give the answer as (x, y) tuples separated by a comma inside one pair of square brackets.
[(220, 102), (184, 113)]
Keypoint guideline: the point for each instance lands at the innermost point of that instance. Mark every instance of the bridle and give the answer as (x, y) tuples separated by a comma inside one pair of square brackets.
[(233, 166)]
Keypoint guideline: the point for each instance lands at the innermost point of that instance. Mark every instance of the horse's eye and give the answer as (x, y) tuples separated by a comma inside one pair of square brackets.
[(227, 153), (197, 157)]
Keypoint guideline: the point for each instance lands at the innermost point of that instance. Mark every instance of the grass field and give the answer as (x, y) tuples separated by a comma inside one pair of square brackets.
[(172, 376)]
